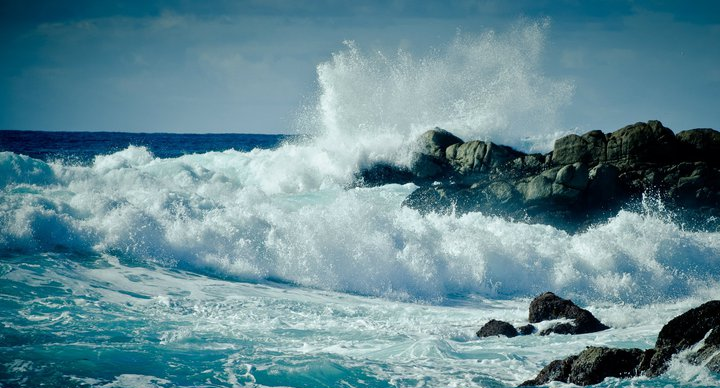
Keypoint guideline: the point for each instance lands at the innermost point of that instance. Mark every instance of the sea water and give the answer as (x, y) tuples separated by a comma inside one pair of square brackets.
[(131, 260)]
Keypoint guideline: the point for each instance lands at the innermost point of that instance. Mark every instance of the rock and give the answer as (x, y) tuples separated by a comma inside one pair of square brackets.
[(431, 199), (698, 328), (709, 354), (649, 142), (701, 144), (495, 328), (526, 329), (683, 332), (430, 161), (558, 370), (435, 141), (549, 306), (585, 180), (478, 157), (604, 186), (571, 181), (467, 157), (382, 174), (590, 148), (591, 366)]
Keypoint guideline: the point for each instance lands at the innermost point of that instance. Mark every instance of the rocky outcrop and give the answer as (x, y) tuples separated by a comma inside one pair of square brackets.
[(591, 366), (686, 330), (431, 160), (497, 328), (549, 306), (585, 179), (698, 328)]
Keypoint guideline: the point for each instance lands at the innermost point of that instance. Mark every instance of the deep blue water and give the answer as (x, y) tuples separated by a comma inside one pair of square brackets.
[(82, 147)]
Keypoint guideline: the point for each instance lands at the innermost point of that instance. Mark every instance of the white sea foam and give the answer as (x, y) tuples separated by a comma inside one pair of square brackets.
[(372, 105), (281, 335), (212, 212), (285, 214)]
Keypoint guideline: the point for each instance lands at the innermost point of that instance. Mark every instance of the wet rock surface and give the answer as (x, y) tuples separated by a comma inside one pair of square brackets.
[(585, 179), (549, 306), (497, 328), (698, 327)]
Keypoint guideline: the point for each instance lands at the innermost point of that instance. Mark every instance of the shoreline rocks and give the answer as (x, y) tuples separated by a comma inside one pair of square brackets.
[(547, 307), (585, 178), (699, 326), (497, 328)]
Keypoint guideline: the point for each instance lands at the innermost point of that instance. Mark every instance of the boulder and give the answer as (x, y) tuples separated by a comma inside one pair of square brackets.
[(701, 144), (382, 174), (429, 160), (698, 328), (526, 329), (478, 157), (549, 306), (591, 366), (709, 353), (638, 143), (683, 332), (497, 328), (590, 148), (585, 180)]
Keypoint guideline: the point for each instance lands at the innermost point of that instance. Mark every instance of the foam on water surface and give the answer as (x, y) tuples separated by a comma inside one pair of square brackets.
[(118, 324), (213, 213)]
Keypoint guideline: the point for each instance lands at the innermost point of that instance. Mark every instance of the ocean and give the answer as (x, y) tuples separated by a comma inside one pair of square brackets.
[(178, 260)]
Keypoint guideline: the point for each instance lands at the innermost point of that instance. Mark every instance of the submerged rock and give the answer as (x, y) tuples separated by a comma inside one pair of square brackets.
[(497, 328), (526, 329), (549, 306)]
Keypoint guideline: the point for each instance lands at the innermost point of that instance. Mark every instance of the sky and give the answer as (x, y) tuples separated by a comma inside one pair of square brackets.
[(249, 66)]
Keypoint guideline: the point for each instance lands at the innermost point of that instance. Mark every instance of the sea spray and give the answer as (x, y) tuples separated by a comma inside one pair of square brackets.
[(285, 213), (211, 213), (491, 87)]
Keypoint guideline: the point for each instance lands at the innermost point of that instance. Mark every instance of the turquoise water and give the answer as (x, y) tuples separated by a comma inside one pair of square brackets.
[(95, 321)]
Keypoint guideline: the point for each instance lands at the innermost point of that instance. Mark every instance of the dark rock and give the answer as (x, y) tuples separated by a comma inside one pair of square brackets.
[(549, 306), (684, 331), (709, 353), (604, 186), (649, 142), (586, 179), (495, 327), (526, 329), (590, 148), (558, 370), (431, 199), (479, 157), (701, 144), (382, 174), (591, 366), (430, 161)]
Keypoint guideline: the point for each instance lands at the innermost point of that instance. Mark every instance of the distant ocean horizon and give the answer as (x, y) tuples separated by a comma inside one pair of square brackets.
[(83, 145)]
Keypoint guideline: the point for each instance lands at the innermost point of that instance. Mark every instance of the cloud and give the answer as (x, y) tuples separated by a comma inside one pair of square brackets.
[(246, 66)]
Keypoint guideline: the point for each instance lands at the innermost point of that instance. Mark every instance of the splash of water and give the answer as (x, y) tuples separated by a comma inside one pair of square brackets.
[(480, 87)]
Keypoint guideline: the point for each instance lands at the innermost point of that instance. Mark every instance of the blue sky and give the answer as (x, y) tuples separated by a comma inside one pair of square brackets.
[(249, 66)]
